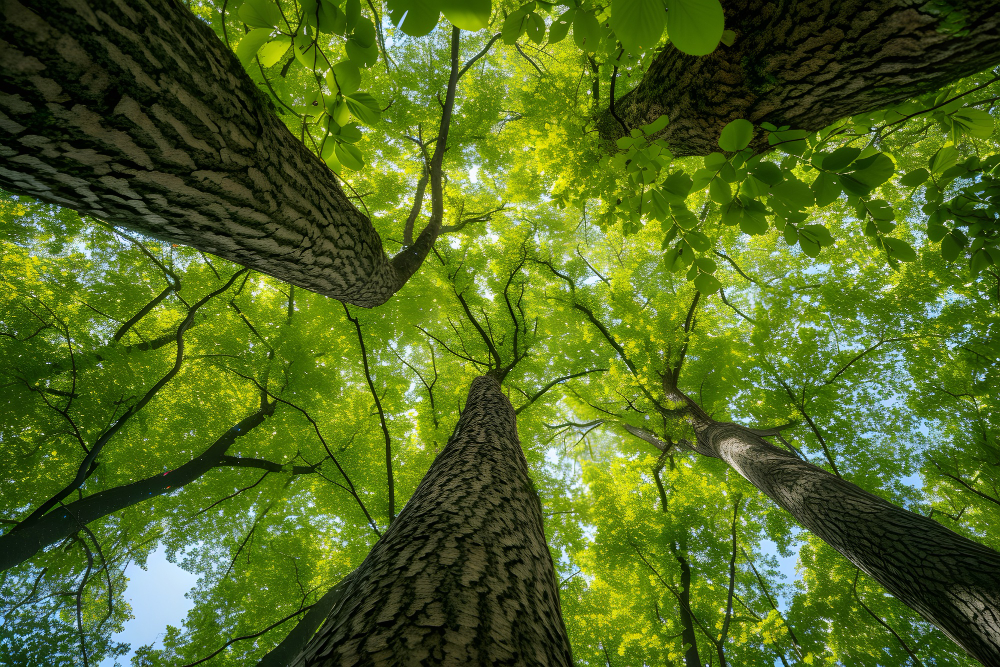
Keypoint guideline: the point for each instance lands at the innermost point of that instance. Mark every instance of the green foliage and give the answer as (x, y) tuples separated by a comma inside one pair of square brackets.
[(845, 280)]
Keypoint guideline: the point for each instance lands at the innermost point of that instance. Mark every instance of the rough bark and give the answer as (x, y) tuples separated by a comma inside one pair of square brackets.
[(27, 538), (463, 576), (951, 581), (136, 113), (808, 63)]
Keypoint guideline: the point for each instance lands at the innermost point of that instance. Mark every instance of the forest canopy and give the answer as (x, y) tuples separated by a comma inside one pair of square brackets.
[(255, 253)]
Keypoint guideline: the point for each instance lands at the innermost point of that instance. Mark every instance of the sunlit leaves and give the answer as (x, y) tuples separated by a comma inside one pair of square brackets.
[(695, 26)]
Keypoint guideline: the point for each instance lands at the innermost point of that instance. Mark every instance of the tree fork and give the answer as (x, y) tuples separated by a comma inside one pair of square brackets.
[(137, 114), (948, 579), (463, 576), (807, 64)]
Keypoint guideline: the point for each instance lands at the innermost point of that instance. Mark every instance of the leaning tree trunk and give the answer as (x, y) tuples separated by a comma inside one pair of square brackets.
[(951, 581), (808, 63), (463, 576), (136, 113)]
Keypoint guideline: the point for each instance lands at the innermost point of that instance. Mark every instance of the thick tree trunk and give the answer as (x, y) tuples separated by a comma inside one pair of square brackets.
[(27, 538), (808, 63), (463, 576), (136, 113), (951, 581)]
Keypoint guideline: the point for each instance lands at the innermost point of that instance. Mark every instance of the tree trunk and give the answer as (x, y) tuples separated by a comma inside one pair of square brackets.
[(463, 576), (808, 63), (136, 113), (27, 538), (951, 581)]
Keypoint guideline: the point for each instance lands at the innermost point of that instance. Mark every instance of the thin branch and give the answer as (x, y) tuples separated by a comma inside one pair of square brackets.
[(381, 416), (906, 647)]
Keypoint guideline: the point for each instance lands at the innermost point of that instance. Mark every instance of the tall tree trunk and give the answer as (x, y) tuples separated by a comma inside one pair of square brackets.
[(27, 538), (463, 576), (951, 581), (136, 113), (808, 63)]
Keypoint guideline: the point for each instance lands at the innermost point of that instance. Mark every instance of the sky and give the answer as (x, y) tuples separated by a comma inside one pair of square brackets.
[(157, 598)]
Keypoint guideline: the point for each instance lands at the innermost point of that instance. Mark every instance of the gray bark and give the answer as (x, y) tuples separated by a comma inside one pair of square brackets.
[(136, 113), (808, 63), (948, 579), (463, 576)]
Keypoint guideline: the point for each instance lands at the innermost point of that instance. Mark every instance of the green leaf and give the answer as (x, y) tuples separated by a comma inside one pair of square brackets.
[(914, 178), (715, 161), (469, 15), (975, 122), (414, 17), (361, 56), (732, 213), (586, 31), (720, 192), (365, 108), (331, 19), (656, 126), (516, 23), (350, 156), (818, 233), (338, 110), (560, 26), (684, 218), (260, 14), (638, 23), (810, 248), (728, 37), (271, 53), (880, 210), (364, 33), (853, 186), (768, 172), (706, 264), (875, 170), (945, 157), (701, 178), (307, 54), (344, 78), (352, 12), (536, 28), (695, 26), (950, 247), (350, 133), (251, 43), (840, 158), (698, 241), (899, 250), (794, 193), (706, 283), (826, 188), (736, 135)]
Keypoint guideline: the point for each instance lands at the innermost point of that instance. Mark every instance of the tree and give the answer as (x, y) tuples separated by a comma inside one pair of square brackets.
[(590, 358)]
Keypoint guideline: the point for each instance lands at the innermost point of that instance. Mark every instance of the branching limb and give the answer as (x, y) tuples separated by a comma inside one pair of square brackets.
[(534, 397), (86, 466)]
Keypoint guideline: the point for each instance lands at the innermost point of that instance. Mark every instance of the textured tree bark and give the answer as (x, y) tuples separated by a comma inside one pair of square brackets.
[(27, 538), (136, 113), (951, 581), (463, 576), (808, 63)]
